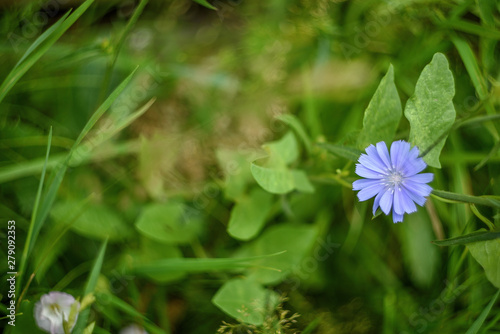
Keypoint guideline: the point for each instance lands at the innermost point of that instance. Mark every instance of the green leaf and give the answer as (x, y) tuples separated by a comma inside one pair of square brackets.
[(482, 317), (349, 153), (41, 45), (152, 251), (422, 260), (236, 168), (472, 67), (245, 300), (275, 181), (185, 265), (383, 114), (487, 254), (285, 149), (492, 201), (272, 173), (430, 110), (295, 124), (110, 300), (81, 323), (301, 181), (34, 229), (94, 221), (295, 240), (205, 3), (169, 223), (249, 215), (480, 235)]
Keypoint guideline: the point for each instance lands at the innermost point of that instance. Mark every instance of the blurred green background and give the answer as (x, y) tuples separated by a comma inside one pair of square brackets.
[(165, 185)]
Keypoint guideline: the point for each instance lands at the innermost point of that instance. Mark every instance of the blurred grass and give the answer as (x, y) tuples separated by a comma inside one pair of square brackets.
[(220, 78)]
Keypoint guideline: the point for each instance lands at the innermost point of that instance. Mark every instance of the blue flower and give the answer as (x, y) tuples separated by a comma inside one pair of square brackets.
[(393, 178)]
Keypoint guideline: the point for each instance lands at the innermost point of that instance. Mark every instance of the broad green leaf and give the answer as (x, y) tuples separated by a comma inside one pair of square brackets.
[(245, 300), (295, 240), (487, 253), (169, 223), (249, 214), (383, 113), (430, 110), (301, 181), (275, 181), (281, 181), (295, 124), (237, 174), (94, 221), (284, 149), (81, 323), (272, 173), (346, 152)]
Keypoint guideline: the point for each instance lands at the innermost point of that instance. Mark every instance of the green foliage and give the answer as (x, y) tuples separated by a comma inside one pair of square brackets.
[(40, 47), (91, 220), (430, 110), (487, 254), (172, 183), (294, 241), (169, 223), (275, 176), (382, 114), (249, 215), (245, 300)]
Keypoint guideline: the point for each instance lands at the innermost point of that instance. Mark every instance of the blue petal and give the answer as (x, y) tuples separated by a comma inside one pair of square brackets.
[(386, 201), (413, 164), (363, 183), (407, 203), (399, 153), (377, 201), (422, 178), (397, 218), (419, 199), (370, 191), (370, 163), (367, 172), (421, 189), (398, 202), (384, 154), (374, 159)]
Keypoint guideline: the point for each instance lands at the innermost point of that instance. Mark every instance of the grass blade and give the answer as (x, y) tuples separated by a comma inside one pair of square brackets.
[(482, 317), (130, 310), (89, 288), (29, 237), (41, 45), (466, 239), (197, 265)]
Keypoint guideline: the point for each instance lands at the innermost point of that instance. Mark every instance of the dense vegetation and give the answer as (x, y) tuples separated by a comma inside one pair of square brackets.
[(187, 166)]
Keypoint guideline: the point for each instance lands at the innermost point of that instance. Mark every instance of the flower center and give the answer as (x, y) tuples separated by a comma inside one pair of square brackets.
[(55, 308), (394, 178)]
